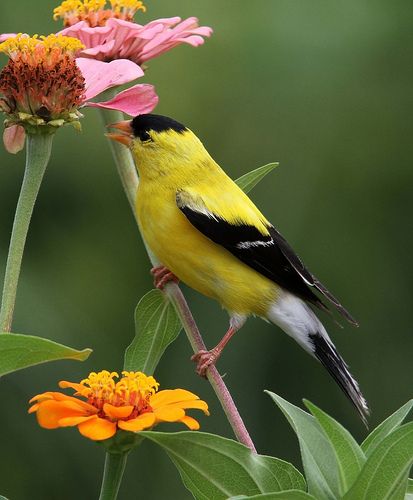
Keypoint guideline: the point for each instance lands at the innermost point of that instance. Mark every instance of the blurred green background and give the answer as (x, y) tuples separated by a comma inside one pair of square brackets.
[(323, 87)]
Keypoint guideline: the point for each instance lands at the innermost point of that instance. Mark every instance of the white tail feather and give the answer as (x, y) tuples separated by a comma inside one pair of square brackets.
[(299, 321)]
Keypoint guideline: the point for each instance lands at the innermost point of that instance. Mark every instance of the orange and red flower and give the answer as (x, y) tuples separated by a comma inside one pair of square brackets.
[(132, 404)]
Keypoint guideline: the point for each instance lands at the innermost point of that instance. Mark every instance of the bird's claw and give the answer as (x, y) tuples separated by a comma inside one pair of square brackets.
[(162, 275), (204, 359)]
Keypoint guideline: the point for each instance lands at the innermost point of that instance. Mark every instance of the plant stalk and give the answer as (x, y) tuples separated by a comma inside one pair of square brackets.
[(127, 171), (38, 149), (115, 464)]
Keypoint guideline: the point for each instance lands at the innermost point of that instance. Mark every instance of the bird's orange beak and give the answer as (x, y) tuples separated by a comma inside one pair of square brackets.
[(127, 133)]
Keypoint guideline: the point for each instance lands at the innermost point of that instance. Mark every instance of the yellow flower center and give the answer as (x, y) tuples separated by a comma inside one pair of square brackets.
[(94, 12), (127, 7), (134, 388), (41, 48)]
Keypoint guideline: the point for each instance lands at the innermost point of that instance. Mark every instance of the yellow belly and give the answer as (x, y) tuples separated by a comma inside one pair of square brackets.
[(199, 262)]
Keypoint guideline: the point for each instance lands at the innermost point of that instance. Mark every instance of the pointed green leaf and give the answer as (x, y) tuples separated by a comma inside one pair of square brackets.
[(385, 428), (215, 467), (21, 351), (385, 469), (281, 495), (157, 325), (400, 491), (319, 459), (409, 492), (350, 458), (248, 181)]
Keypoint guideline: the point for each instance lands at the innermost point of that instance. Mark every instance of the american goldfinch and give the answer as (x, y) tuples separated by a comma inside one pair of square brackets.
[(209, 234)]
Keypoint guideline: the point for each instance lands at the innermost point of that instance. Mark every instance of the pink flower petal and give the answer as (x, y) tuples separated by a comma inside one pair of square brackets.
[(166, 21), (13, 138), (5, 36), (90, 37), (186, 31), (100, 76), (120, 39), (136, 100), (104, 49)]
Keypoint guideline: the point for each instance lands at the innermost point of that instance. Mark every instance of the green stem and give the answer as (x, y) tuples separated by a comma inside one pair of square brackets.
[(127, 171), (38, 151), (115, 464)]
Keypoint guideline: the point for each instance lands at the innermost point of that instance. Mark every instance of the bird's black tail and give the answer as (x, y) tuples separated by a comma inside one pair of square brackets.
[(327, 354)]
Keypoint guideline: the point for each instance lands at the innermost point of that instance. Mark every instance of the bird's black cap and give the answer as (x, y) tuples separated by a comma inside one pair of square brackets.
[(142, 124)]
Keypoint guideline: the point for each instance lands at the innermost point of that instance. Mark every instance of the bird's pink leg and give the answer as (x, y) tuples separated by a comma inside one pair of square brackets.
[(162, 275), (205, 359)]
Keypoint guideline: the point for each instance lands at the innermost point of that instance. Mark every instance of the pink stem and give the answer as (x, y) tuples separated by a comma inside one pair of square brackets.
[(176, 296)]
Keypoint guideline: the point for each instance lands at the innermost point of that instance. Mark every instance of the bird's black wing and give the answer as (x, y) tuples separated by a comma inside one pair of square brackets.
[(270, 255)]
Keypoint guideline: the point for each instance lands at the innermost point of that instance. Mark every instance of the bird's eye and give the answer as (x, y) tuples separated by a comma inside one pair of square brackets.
[(145, 137)]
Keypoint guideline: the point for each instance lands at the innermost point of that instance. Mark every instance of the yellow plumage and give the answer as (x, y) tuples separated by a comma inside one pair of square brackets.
[(192, 257)]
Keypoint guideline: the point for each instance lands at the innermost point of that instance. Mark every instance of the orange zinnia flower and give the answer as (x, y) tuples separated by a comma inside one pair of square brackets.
[(131, 404)]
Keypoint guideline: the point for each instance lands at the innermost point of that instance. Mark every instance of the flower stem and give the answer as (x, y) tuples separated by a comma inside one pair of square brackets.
[(221, 390), (38, 151), (130, 181), (115, 464)]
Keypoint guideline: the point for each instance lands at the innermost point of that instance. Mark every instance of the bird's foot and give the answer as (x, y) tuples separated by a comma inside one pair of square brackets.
[(205, 359), (162, 275)]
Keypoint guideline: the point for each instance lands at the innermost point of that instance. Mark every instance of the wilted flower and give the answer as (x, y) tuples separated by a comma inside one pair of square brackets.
[(110, 34), (43, 86), (131, 404), (41, 82)]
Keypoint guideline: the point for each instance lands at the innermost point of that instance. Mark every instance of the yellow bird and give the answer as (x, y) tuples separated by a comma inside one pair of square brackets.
[(207, 232)]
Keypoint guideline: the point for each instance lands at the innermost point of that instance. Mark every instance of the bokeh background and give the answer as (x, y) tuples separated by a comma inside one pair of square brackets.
[(325, 88)]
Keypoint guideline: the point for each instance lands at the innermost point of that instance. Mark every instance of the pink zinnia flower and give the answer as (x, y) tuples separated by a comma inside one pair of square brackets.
[(110, 34), (43, 85)]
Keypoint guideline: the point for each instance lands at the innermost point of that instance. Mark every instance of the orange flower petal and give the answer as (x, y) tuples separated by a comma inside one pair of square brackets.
[(190, 422), (169, 396), (59, 396), (71, 421), (45, 396), (50, 412), (79, 406), (139, 423), (97, 429), (33, 408), (116, 412), (63, 384), (198, 404), (169, 413)]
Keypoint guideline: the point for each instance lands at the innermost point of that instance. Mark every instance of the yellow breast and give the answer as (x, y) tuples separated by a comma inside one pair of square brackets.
[(196, 260)]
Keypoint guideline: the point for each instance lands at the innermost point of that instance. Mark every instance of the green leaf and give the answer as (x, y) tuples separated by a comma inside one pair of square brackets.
[(399, 492), (409, 491), (157, 325), (350, 458), (284, 495), (319, 460), (248, 181), (386, 428), (213, 467), (386, 468), (21, 351)]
